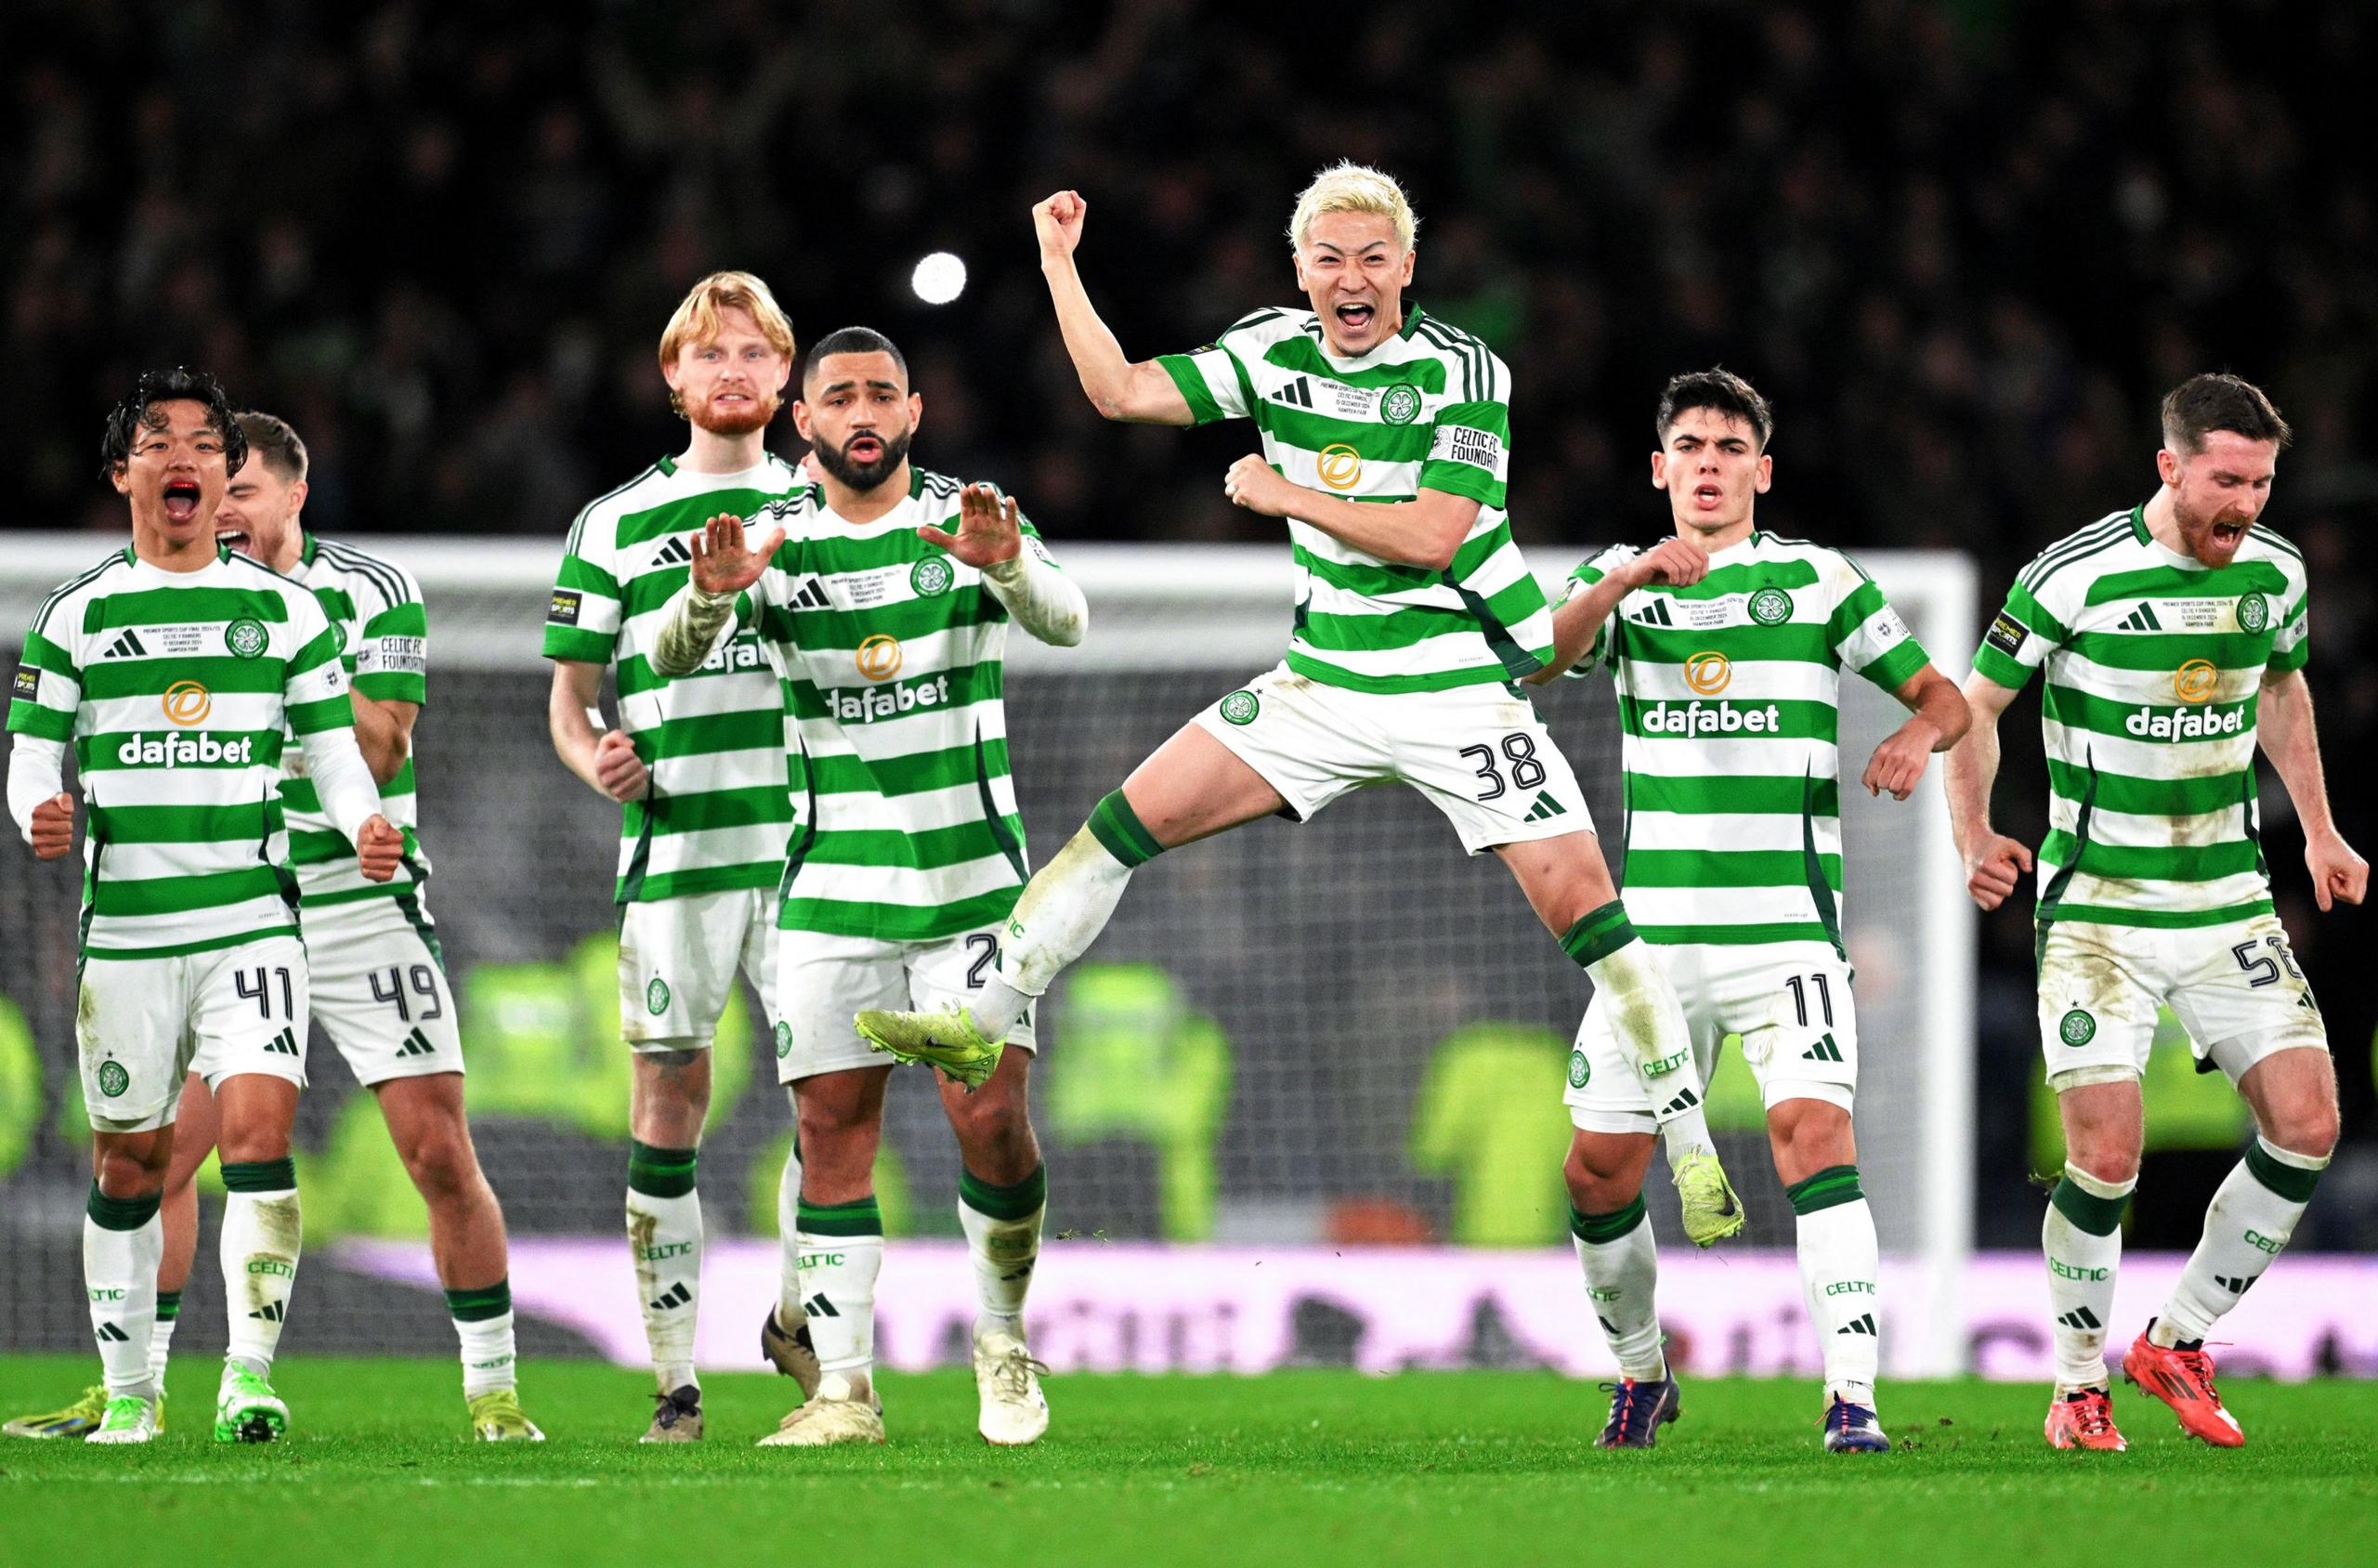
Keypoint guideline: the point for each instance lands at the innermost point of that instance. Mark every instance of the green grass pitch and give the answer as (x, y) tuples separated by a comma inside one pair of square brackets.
[(1305, 1468)]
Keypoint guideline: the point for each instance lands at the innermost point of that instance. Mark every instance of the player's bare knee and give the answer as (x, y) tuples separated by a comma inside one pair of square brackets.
[(438, 1156), (131, 1169), (1605, 1173), (2307, 1127), (1809, 1135), (669, 1097)]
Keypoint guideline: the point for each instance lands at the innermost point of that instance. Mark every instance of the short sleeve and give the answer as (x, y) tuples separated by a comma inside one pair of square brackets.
[(582, 616), (2291, 646), (47, 688), (2019, 639), (1592, 570), (1469, 452), (1213, 380), (314, 682), (392, 652), (1867, 635)]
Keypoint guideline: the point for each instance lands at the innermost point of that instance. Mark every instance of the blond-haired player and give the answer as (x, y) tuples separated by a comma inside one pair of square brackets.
[(1385, 436), (699, 766)]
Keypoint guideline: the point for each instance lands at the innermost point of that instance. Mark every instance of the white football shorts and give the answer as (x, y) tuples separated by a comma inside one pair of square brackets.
[(1789, 1001), (142, 1023), (1478, 752), (2235, 987), (677, 963), (823, 980)]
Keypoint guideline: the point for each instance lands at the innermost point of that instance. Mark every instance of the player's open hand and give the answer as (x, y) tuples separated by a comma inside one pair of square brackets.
[(1259, 487), (53, 832), (2337, 872), (1994, 866), (1679, 563), (378, 848), (988, 529), (1897, 764), (1056, 223), (723, 564), (619, 771)]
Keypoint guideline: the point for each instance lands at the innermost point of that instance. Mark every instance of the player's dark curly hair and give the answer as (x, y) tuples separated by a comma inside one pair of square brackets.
[(1718, 388), (139, 412)]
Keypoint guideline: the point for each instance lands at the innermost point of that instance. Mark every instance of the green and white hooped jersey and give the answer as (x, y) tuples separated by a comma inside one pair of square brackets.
[(177, 691), (2155, 664), (377, 616), (891, 652), (719, 810), (1729, 697), (1427, 409)]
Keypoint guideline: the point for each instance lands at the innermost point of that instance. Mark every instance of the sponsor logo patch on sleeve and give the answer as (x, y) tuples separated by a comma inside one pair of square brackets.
[(2008, 634), (393, 655), (562, 609), (1459, 443), (27, 683)]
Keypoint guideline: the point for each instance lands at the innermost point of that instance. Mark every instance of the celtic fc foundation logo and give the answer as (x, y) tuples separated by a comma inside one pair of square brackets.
[(2253, 613), (113, 1079), (784, 1039), (656, 996), (1240, 708), (931, 576), (1578, 1069), (1400, 404), (2078, 1028), (1771, 607), (245, 637)]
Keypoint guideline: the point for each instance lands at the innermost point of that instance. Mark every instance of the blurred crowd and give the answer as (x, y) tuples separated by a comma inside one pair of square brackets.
[(1964, 245)]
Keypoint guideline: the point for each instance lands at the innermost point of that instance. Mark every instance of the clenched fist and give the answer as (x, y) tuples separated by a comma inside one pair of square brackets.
[(378, 848)]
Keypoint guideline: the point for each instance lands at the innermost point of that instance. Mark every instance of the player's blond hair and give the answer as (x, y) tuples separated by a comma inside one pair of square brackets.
[(696, 316), (1348, 187)]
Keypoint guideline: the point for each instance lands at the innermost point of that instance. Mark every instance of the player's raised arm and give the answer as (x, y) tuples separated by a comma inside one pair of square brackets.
[(1994, 863), (990, 538), (724, 566), (1577, 620), (1141, 393), (2292, 742)]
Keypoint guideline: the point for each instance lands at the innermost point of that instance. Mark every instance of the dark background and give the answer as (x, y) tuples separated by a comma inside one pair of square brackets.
[(1964, 247)]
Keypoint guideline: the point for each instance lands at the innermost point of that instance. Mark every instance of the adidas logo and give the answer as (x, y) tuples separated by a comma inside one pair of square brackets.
[(1655, 614), (812, 595), (1685, 1101), (2140, 620), (1296, 394), (111, 1335), (676, 1296), (1860, 1324), (283, 1044), (1545, 808), (129, 646), (416, 1044), (1823, 1051), (817, 1306), (2081, 1317), (271, 1312), (674, 553), (2236, 1287)]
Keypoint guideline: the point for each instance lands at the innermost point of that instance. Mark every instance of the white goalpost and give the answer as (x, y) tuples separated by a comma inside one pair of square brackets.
[(1335, 962)]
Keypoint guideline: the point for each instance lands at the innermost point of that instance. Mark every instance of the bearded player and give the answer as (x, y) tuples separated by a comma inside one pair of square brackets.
[(1385, 436), (2174, 636), (883, 595), (698, 765), (1728, 645)]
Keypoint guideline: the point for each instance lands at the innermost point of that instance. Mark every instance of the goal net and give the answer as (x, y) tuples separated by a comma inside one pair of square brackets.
[(1320, 1046)]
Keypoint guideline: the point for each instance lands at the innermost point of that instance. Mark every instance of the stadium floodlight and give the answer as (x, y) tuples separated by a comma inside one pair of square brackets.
[(939, 277)]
